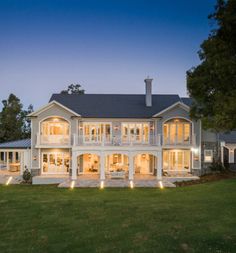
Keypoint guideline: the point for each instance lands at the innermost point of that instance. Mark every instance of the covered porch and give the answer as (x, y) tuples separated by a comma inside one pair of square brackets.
[(14, 157)]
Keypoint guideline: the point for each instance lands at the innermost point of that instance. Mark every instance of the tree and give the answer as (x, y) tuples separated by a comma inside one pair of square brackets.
[(212, 84), (26, 130), (14, 123), (73, 89)]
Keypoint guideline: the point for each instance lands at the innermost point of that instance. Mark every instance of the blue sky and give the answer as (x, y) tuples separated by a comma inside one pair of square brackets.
[(108, 46)]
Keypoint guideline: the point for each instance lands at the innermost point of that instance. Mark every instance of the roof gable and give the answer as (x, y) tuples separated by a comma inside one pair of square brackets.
[(49, 105)]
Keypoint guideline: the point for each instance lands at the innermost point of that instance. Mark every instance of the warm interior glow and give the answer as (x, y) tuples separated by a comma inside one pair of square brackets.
[(8, 180)]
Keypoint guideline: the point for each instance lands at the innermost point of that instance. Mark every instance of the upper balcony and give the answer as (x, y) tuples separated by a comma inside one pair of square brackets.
[(53, 140), (116, 141)]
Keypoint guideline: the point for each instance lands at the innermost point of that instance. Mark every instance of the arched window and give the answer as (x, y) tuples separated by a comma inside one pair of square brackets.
[(55, 130), (177, 131)]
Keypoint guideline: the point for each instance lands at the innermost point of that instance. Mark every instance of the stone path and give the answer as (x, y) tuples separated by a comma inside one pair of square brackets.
[(119, 183), (15, 179)]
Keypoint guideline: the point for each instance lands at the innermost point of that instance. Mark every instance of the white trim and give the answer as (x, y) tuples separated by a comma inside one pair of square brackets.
[(49, 105), (182, 105)]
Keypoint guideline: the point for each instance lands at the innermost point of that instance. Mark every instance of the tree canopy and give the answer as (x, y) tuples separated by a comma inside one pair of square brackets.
[(212, 84), (14, 124), (73, 89)]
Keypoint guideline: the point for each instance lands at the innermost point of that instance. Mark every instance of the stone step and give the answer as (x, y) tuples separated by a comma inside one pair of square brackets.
[(48, 180)]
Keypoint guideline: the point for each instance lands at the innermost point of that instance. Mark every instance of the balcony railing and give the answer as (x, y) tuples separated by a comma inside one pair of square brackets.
[(53, 140), (180, 141), (115, 141)]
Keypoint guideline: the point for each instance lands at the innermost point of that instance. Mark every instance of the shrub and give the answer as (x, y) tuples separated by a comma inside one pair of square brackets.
[(216, 166), (27, 175)]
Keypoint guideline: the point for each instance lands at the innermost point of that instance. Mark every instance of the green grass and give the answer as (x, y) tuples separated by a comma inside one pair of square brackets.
[(199, 218)]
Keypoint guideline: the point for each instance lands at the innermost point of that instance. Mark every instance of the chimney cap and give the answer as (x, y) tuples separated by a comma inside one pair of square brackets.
[(148, 79)]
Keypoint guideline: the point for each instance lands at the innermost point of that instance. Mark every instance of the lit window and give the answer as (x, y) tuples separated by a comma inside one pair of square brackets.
[(208, 155)]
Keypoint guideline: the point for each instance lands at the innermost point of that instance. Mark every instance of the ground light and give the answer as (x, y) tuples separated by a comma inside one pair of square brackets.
[(101, 184), (8, 180), (72, 184), (161, 185), (131, 183)]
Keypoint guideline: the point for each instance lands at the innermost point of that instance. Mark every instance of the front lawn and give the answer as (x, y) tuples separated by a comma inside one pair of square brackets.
[(198, 218)]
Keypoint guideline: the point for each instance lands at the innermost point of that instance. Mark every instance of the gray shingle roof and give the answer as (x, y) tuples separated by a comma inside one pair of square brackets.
[(26, 143), (115, 105), (228, 137)]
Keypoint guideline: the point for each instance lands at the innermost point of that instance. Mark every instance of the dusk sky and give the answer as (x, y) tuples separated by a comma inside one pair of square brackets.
[(108, 46)]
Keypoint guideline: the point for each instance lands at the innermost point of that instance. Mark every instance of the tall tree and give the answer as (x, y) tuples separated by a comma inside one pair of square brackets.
[(212, 84), (73, 89), (14, 123)]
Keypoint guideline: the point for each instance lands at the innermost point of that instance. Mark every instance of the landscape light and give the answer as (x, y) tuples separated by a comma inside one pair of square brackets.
[(101, 184), (72, 185), (131, 184), (161, 185), (8, 180)]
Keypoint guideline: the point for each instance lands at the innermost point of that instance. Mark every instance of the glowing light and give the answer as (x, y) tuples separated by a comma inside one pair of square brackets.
[(131, 183), (194, 150), (101, 184), (8, 180), (72, 184), (161, 185)]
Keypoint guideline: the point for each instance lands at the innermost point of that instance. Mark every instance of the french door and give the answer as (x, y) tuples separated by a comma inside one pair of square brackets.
[(176, 160)]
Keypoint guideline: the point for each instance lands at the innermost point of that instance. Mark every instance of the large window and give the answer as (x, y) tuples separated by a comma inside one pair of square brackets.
[(177, 131), (96, 132), (56, 162), (176, 160), (55, 130), (135, 132)]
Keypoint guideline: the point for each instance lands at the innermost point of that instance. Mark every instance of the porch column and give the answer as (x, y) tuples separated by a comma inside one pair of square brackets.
[(102, 166), (222, 154), (74, 166), (131, 167), (159, 165), (231, 155), (7, 153)]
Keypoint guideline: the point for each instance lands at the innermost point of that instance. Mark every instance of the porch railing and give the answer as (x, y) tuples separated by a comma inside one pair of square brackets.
[(63, 140), (115, 141)]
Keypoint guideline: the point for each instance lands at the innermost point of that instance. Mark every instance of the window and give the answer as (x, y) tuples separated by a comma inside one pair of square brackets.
[(208, 156), (56, 162), (96, 132), (176, 160), (177, 131), (135, 132), (55, 130)]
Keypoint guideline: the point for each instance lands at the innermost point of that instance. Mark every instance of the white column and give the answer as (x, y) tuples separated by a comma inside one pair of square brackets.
[(159, 165), (74, 166), (102, 166), (222, 154), (231, 155), (7, 160), (131, 167)]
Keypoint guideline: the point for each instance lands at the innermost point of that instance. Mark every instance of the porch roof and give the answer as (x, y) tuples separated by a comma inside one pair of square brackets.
[(228, 137), (24, 144)]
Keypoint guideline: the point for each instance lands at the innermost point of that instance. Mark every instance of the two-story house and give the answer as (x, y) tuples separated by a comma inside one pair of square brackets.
[(115, 136)]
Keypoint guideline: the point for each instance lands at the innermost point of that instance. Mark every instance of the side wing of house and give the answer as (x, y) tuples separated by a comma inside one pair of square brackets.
[(53, 128)]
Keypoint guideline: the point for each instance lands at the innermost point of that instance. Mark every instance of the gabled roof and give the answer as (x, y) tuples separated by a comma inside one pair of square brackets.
[(179, 103), (26, 143), (47, 106), (115, 105)]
